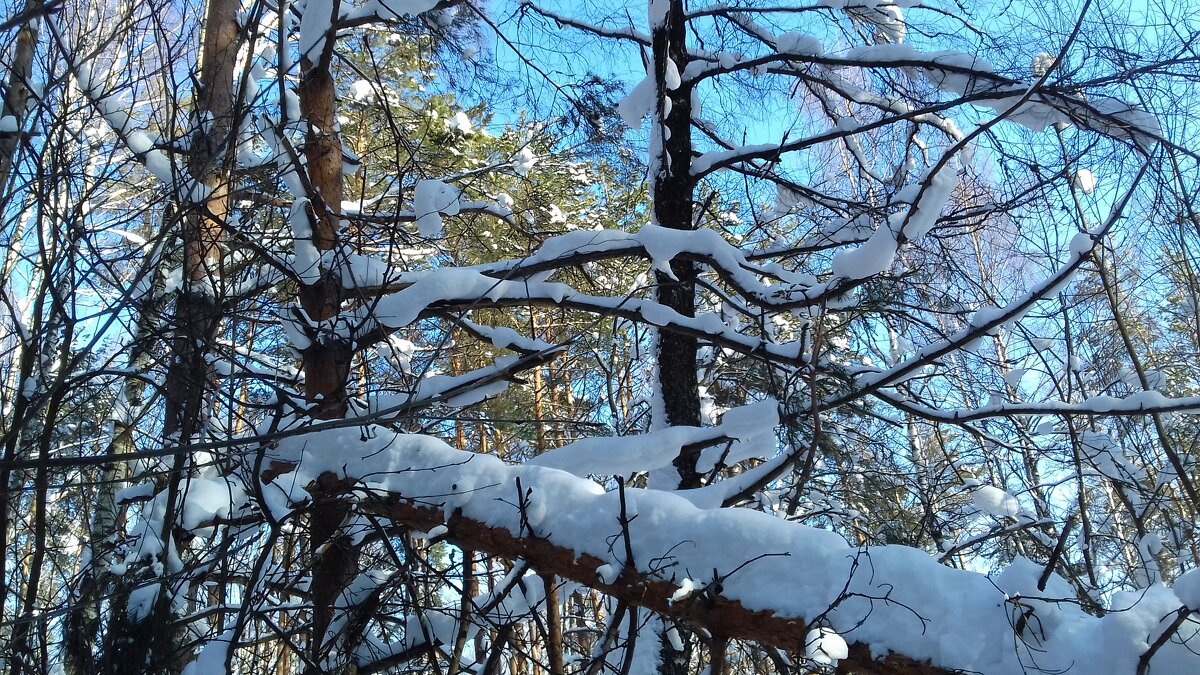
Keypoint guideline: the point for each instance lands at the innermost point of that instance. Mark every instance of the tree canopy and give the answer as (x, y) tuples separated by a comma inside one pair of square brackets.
[(532, 337)]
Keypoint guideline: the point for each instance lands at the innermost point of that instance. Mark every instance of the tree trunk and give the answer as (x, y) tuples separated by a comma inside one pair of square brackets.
[(327, 358), (672, 198), (16, 96), (196, 319)]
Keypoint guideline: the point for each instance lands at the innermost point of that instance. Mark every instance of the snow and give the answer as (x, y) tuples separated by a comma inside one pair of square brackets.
[(877, 254), (671, 80), (750, 427), (388, 9), (524, 161), (1187, 588), (362, 91), (297, 327), (935, 192), (663, 245), (432, 199), (657, 12), (965, 75), (686, 586), (608, 573), (885, 15), (455, 285), (132, 237), (291, 105), (672, 636), (402, 308), (213, 656), (116, 113), (454, 390), (1044, 609), (637, 103), (1041, 64), (825, 647), (306, 261), (507, 338), (1121, 120), (363, 271), (315, 27), (1082, 243), (796, 43), (142, 599), (1012, 311), (873, 257), (992, 500), (136, 492), (705, 162), (1085, 181), (398, 352), (900, 598), (1013, 377), (205, 500), (461, 123)]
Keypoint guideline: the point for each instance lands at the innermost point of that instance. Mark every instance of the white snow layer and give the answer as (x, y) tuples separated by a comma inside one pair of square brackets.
[(1187, 587), (824, 646), (315, 25), (751, 428), (992, 500), (432, 199), (899, 598), (1085, 181), (386, 9), (637, 103), (876, 255)]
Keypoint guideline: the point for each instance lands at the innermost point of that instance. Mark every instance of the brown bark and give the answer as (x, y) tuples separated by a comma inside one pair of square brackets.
[(16, 95), (197, 317), (539, 390), (327, 358), (554, 629), (197, 311)]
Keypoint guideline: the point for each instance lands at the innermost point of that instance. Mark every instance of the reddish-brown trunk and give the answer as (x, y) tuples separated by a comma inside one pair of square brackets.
[(327, 359)]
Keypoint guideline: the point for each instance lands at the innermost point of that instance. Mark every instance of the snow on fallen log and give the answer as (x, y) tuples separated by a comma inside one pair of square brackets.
[(755, 576)]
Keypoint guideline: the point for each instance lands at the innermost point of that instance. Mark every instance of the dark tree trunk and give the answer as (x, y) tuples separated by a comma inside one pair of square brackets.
[(672, 199), (672, 195)]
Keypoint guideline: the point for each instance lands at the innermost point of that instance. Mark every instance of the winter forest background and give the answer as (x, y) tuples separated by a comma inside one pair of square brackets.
[(536, 337)]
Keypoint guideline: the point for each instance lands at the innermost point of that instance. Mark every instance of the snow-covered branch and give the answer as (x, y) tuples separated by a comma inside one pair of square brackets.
[(893, 602)]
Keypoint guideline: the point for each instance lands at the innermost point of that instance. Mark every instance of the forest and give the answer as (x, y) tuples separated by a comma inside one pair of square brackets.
[(599, 337)]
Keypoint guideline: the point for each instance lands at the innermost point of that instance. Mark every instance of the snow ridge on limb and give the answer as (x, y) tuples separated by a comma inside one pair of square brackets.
[(1135, 404), (746, 431), (763, 578), (459, 289)]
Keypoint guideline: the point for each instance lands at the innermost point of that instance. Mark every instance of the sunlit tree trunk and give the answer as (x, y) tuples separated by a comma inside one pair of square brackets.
[(16, 92), (196, 318)]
